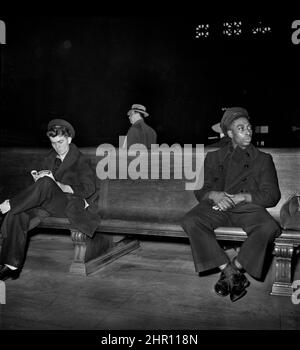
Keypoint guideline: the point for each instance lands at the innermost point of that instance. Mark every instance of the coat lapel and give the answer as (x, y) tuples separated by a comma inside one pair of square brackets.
[(70, 158), (240, 166)]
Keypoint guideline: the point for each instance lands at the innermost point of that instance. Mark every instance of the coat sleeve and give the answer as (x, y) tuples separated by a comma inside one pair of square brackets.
[(268, 193), (209, 175), (85, 184)]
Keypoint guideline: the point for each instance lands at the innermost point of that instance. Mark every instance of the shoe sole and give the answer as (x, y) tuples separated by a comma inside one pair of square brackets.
[(247, 284), (239, 296), (221, 295), (9, 277), (4, 279)]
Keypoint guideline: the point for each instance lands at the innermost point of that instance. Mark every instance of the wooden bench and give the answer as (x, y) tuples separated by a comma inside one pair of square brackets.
[(149, 207)]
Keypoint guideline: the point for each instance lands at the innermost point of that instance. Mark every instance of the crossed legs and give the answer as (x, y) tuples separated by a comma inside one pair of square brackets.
[(45, 194)]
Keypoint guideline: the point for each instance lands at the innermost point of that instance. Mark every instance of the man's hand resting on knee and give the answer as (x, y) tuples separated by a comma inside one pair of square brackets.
[(220, 200), (224, 201)]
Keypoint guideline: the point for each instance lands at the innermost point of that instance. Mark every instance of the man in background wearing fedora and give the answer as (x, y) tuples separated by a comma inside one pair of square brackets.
[(139, 132), (223, 141), (240, 182), (68, 192)]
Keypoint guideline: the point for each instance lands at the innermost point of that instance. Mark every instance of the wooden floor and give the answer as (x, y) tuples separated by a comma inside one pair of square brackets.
[(152, 288)]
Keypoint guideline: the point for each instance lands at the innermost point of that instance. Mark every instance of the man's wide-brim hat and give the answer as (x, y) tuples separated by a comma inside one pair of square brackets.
[(62, 122), (230, 115), (217, 128), (138, 108)]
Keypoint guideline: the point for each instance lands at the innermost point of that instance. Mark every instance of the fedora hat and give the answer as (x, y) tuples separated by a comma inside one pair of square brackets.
[(217, 128), (138, 108)]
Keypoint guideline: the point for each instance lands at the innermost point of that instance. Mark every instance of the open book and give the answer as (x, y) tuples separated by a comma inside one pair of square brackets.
[(37, 174)]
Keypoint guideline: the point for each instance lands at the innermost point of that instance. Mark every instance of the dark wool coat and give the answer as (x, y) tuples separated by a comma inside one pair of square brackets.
[(77, 172), (142, 133), (234, 171)]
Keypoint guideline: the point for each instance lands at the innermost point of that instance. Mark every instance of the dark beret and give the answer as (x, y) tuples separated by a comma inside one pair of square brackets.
[(230, 115), (62, 122)]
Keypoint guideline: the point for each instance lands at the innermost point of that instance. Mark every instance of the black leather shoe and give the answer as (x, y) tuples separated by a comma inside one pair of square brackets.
[(222, 287), (6, 273), (238, 285)]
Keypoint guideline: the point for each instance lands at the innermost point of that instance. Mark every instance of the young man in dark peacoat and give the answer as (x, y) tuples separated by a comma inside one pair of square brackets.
[(69, 195), (240, 182)]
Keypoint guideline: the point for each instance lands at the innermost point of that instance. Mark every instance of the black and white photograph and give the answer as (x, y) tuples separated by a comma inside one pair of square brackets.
[(149, 175)]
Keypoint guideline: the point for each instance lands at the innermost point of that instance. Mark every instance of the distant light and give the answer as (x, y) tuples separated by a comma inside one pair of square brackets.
[(232, 28), (202, 31), (261, 28), (262, 129)]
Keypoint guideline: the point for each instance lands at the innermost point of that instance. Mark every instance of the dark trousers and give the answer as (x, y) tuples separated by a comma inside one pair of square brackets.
[(261, 229), (42, 198)]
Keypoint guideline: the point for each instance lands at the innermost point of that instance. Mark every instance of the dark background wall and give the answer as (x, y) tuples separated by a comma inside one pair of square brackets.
[(90, 70)]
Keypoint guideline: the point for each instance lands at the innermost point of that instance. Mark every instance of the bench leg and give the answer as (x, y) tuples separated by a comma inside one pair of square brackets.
[(283, 262), (91, 254)]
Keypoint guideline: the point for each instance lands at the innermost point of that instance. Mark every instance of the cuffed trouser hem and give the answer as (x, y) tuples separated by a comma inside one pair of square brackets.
[(211, 264), (253, 260), (255, 273)]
